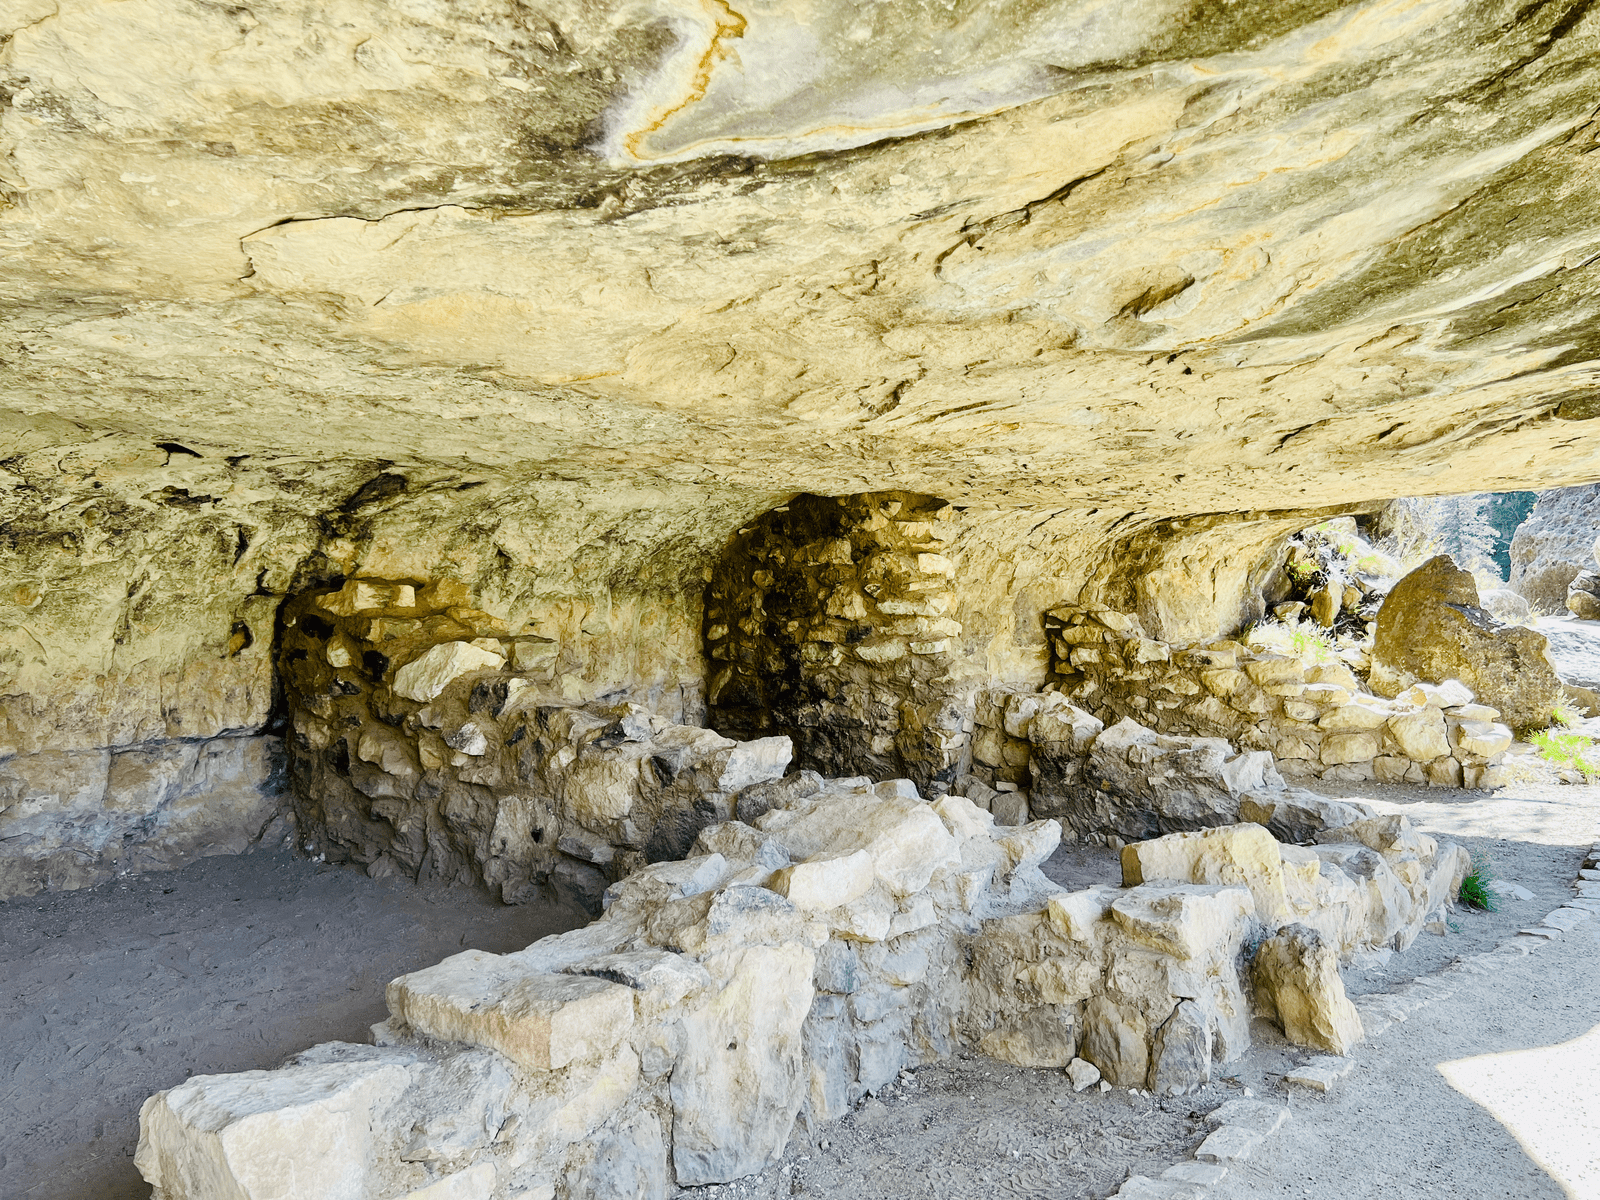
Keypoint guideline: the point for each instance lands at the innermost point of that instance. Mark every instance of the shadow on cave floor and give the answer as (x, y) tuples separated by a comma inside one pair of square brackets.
[(230, 964)]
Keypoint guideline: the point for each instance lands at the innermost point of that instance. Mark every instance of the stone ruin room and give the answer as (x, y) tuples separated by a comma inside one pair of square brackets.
[(630, 599)]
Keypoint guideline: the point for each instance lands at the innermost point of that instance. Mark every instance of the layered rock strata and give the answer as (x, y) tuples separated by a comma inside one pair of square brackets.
[(789, 967)]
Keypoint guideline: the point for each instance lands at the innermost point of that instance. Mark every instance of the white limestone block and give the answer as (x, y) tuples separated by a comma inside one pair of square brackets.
[(1075, 914), (1452, 693), (1259, 1116), (1504, 887), (1229, 855), (1360, 715), (425, 677), (1184, 920), (1483, 738), (1202, 1174), (1228, 1144), (1083, 1074), (963, 818), (539, 1021), (827, 881), (299, 1133), (755, 762)]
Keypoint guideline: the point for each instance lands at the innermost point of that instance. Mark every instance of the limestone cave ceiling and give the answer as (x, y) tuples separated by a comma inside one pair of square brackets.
[(1167, 257)]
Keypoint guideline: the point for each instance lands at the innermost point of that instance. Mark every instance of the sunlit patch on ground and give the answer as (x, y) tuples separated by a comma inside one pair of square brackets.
[(1549, 1100)]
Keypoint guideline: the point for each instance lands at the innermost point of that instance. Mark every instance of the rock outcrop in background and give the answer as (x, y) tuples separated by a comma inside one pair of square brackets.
[(1554, 545)]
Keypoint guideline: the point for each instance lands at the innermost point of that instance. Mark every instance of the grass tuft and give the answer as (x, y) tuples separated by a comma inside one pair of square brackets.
[(1569, 751), (1565, 712), (1475, 891)]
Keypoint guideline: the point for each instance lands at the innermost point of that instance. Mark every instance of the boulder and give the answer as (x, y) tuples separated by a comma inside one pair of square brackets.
[(1583, 596), (1297, 983), (1326, 603), (1296, 815), (777, 793), (1554, 544), (1116, 1041), (1187, 921), (1431, 628)]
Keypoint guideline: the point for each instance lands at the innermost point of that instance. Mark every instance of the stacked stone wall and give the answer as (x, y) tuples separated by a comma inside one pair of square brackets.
[(1314, 717), (428, 739), (828, 621), (790, 967)]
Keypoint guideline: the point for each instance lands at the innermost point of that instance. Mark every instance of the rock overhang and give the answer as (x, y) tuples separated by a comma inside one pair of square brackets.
[(1182, 260)]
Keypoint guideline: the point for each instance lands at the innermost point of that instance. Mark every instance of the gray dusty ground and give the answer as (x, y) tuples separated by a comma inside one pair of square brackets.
[(230, 964), (1525, 1041), (111, 994)]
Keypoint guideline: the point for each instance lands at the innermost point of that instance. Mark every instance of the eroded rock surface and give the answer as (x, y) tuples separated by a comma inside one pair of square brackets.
[(1555, 544), (554, 299)]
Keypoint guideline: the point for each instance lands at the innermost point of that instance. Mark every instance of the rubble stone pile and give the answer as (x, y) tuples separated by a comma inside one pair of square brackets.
[(789, 966)]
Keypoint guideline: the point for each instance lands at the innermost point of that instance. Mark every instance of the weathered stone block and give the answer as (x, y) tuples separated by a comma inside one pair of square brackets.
[(1182, 1051), (1421, 735), (300, 1133), (1482, 738), (1184, 920), (826, 882), (425, 677), (541, 1021), (1340, 748), (1297, 983), (1243, 854)]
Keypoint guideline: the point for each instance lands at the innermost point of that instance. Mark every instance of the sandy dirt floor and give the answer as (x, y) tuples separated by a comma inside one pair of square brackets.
[(111, 994), (1494, 1093), (230, 964)]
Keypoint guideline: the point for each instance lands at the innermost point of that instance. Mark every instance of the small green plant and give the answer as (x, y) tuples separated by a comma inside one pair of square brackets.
[(1475, 891), (1565, 712), (1312, 644), (1568, 751)]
